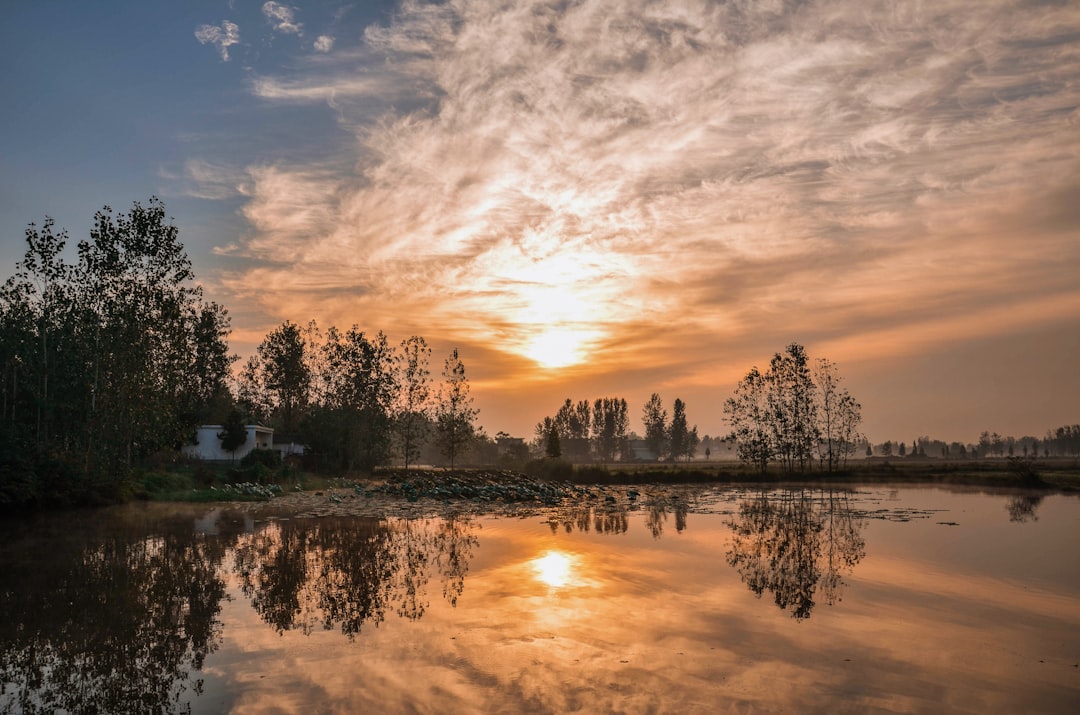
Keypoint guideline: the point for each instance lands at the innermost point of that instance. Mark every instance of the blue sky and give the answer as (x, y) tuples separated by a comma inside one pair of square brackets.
[(594, 197)]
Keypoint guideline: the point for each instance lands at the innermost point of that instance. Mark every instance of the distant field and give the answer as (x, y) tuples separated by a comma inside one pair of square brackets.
[(1062, 473)]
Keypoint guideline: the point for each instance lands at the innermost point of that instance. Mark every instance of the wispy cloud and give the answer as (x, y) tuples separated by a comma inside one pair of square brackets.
[(607, 174), (282, 18), (221, 37)]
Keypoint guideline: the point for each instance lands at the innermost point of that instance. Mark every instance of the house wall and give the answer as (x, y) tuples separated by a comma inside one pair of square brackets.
[(209, 444)]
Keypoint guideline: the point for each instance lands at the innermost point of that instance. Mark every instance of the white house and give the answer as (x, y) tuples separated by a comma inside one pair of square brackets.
[(208, 444)]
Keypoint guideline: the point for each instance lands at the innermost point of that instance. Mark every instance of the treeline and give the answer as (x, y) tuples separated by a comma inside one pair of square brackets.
[(110, 362), (354, 401), (105, 361), (1063, 441), (600, 431)]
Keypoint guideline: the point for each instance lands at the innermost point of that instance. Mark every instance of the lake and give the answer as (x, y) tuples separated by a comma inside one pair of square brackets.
[(695, 600)]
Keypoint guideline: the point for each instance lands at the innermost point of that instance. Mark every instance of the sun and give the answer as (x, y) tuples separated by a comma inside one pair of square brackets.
[(556, 347)]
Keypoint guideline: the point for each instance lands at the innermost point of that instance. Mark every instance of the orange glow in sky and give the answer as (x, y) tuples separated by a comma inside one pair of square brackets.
[(616, 197)]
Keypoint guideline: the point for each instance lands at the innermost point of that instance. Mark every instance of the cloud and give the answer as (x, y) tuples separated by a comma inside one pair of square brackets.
[(222, 37), (282, 18), (324, 43), (636, 173)]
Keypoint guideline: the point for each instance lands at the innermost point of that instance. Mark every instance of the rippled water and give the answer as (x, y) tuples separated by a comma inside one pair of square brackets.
[(887, 600)]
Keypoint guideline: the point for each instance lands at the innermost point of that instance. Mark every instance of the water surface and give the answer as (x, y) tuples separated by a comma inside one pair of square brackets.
[(716, 600)]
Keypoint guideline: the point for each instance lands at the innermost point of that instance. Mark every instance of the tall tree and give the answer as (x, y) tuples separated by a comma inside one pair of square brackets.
[(748, 414), (654, 420), (573, 421), (792, 408), (276, 382), (678, 432), (359, 387), (454, 411), (610, 422), (411, 418)]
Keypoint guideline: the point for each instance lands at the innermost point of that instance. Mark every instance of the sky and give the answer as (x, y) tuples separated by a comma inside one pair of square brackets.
[(596, 197)]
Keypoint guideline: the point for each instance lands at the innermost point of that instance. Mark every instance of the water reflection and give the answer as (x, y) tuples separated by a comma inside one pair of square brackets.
[(614, 517), (553, 569), (795, 543), (346, 572), (128, 611), (1021, 507), (99, 620)]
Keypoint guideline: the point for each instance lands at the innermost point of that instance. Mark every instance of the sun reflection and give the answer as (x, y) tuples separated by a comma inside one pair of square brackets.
[(553, 569)]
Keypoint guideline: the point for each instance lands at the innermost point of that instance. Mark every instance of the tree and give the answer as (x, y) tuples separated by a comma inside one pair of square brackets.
[(414, 383), (792, 414), (233, 434), (548, 433), (610, 420), (573, 422), (276, 382), (357, 387), (113, 358), (792, 409), (678, 434), (748, 414), (454, 411), (654, 419)]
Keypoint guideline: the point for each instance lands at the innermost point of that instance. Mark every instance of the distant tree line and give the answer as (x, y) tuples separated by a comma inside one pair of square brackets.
[(583, 431), (599, 431), (795, 414), (1063, 441)]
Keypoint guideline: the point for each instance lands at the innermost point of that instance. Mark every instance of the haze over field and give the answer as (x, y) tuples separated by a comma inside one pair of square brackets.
[(599, 197)]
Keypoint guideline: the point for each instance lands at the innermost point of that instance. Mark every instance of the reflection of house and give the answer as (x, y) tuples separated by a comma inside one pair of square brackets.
[(207, 444)]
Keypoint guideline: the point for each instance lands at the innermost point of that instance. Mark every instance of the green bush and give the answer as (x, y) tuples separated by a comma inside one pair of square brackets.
[(268, 458)]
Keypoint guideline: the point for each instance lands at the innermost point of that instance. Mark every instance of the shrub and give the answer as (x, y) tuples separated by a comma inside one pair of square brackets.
[(266, 457)]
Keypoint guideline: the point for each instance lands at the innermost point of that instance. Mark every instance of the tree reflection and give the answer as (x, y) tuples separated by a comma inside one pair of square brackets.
[(1021, 507), (346, 572), (107, 619), (607, 519), (796, 545)]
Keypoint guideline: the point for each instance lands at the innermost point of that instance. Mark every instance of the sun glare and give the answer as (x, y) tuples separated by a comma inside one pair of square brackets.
[(553, 569), (557, 347)]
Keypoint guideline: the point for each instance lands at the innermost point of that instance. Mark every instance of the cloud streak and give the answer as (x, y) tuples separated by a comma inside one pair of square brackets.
[(592, 173)]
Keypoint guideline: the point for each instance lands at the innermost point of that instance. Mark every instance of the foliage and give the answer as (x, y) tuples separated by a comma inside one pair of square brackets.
[(411, 417), (110, 359), (233, 434), (276, 382), (454, 411), (654, 419), (792, 415), (609, 425), (268, 458)]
